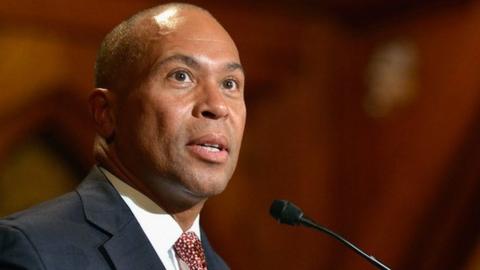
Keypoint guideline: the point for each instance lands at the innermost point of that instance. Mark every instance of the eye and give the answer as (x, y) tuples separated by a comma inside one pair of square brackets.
[(230, 84), (181, 76)]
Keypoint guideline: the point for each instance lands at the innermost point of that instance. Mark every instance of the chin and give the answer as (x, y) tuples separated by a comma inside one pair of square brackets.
[(206, 187)]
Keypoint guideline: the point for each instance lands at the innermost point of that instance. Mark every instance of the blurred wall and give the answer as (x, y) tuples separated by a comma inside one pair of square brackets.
[(363, 113)]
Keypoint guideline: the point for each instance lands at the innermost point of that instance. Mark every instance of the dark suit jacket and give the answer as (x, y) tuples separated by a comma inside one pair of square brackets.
[(90, 228)]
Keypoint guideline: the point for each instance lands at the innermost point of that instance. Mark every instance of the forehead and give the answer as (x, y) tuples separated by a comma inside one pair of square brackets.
[(189, 32)]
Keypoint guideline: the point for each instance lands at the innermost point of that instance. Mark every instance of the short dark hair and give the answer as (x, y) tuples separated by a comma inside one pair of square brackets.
[(119, 52), (122, 51)]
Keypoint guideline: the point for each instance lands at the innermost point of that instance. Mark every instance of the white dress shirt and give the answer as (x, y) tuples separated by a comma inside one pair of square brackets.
[(160, 228)]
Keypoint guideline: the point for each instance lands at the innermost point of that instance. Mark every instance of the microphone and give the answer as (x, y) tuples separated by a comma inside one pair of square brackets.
[(286, 212)]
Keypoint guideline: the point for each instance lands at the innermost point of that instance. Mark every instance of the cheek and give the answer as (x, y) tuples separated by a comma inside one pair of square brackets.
[(240, 119), (138, 123), (166, 123)]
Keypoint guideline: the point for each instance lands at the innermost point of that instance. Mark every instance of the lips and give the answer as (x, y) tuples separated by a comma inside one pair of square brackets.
[(210, 148)]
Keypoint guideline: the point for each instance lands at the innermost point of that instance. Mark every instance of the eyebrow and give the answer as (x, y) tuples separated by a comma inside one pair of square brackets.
[(234, 66), (187, 60), (191, 62)]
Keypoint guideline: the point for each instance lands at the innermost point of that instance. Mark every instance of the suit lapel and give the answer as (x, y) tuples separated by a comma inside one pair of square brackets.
[(214, 262), (128, 247)]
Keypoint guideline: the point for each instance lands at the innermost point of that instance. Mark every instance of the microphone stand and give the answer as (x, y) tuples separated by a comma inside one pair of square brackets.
[(309, 223)]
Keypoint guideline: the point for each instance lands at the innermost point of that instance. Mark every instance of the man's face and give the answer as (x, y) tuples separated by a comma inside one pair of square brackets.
[(180, 131)]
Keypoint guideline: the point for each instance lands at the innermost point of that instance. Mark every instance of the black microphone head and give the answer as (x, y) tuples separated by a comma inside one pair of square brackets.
[(286, 212)]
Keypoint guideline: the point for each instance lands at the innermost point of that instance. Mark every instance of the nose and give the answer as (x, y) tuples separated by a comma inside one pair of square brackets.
[(211, 103)]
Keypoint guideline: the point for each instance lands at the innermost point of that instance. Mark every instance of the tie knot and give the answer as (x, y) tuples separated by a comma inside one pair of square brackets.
[(189, 249)]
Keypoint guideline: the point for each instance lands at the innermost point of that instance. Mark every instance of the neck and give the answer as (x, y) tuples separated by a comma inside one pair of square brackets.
[(186, 218), (183, 211)]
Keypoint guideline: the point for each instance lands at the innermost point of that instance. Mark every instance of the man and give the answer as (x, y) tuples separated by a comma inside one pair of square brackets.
[(169, 112)]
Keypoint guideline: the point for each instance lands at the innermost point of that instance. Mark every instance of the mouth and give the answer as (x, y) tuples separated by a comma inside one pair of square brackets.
[(211, 148)]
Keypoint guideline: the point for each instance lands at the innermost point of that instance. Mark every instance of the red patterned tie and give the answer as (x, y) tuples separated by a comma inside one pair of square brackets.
[(189, 248)]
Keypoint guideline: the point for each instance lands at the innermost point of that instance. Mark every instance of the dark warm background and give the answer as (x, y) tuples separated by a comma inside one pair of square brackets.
[(364, 112)]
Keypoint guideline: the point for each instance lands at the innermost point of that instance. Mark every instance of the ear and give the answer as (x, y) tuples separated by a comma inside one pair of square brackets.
[(101, 102)]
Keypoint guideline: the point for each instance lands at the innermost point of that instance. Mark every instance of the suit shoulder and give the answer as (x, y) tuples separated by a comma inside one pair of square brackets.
[(17, 251), (63, 208), (21, 232)]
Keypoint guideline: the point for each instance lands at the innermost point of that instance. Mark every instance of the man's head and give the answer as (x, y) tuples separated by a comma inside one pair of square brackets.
[(169, 106)]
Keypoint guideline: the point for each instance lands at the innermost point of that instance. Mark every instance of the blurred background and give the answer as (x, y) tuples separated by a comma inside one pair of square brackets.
[(365, 113)]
